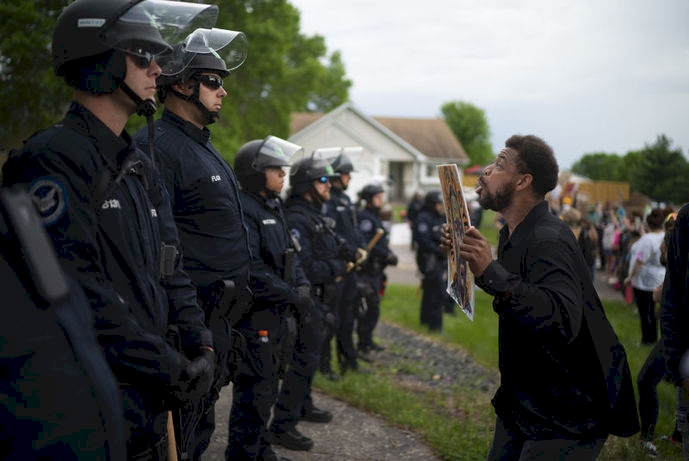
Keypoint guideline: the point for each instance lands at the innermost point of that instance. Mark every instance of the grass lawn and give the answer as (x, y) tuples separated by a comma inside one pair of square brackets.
[(458, 425)]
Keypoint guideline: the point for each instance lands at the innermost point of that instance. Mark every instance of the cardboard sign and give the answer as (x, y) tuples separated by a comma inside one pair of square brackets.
[(460, 280)]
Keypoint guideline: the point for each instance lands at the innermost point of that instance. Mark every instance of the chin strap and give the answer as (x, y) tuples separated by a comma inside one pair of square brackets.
[(145, 108), (317, 197), (210, 116)]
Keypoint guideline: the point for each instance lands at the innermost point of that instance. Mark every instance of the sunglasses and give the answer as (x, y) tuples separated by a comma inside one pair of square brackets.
[(212, 82), (323, 179), (141, 58)]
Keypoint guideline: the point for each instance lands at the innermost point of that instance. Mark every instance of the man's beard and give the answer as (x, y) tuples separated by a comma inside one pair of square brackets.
[(498, 201)]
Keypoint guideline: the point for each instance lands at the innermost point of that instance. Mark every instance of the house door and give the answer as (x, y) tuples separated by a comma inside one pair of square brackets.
[(397, 182)]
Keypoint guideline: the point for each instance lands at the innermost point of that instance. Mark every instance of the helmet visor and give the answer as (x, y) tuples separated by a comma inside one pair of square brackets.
[(159, 23), (275, 152), (309, 167), (341, 158), (230, 46)]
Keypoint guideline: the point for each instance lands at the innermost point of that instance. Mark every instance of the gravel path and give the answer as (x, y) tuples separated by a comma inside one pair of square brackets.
[(424, 362)]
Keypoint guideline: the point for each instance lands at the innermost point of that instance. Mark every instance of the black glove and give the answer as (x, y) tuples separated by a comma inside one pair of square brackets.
[(347, 252), (199, 374), (305, 304), (392, 259)]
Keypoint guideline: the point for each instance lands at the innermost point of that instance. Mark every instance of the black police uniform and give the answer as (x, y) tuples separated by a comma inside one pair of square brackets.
[(92, 190), (372, 273), (256, 380), (432, 264), (59, 398), (204, 195), (343, 211), (319, 258)]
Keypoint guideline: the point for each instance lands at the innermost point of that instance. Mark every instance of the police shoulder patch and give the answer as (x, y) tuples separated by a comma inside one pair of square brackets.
[(422, 228), (295, 234), (366, 225), (50, 198)]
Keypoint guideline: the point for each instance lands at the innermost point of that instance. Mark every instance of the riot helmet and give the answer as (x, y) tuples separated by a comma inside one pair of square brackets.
[(369, 191), (91, 38), (217, 51), (306, 170), (340, 157), (432, 199), (255, 156)]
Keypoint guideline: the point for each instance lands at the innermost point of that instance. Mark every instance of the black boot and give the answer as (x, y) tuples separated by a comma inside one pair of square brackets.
[(316, 415), (329, 374), (354, 367), (292, 439)]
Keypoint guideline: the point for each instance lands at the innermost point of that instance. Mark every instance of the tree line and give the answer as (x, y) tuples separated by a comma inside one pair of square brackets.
[(286, 71)]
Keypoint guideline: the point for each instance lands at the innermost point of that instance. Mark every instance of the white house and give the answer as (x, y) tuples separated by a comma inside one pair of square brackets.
[(401, 152)]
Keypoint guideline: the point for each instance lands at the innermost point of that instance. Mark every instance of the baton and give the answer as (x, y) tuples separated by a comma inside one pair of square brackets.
[(171, 442)]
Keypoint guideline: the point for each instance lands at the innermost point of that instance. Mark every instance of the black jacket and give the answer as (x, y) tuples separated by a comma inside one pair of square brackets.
[(204, 194), (108, 235), (269, 238), (430, 259), (563, 371), (320, 248), (342, 210), (675, 309), (380, 255), (59, 398)]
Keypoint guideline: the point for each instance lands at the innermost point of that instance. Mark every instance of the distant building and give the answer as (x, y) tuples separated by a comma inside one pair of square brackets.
[(400, 152)]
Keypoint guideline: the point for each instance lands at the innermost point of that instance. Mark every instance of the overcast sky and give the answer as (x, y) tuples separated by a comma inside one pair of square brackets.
[(586, 75)]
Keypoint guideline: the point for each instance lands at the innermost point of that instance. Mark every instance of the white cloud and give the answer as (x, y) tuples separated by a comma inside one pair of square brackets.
[(587, 75)]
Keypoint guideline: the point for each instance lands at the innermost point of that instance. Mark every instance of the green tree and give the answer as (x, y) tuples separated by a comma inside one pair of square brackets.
[(285, 71), (601, 166), (31, 95), (470, 126), (660, 172)]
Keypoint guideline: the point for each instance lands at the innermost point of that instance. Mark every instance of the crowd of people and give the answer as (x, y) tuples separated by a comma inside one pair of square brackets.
[(146, 273), (150, 273)]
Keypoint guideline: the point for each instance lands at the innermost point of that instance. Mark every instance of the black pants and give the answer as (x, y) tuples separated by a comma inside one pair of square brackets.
[(346, 297), (647, 315), (432, 301), (509, 445), (147, 425), (652, 372), (295, 394), (255, 385), (195, 421), (368, 322), (329, 333)]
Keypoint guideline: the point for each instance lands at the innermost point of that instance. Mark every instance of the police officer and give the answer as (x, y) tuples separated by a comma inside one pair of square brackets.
[(204, 194), (60, 399), (259, 166), (343, 211), (323, 264), (431, 261), (372, 270), (104, 209)]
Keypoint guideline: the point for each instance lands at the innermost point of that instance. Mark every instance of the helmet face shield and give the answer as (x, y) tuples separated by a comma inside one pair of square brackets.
[(227, 45), (274, 152), (155, 24), (341, 157)]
